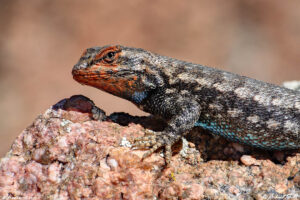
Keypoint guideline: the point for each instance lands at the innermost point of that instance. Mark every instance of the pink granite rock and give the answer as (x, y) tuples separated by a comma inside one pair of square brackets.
[(66, 155)]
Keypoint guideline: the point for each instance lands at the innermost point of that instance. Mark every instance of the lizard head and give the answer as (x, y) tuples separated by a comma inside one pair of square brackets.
[(119, 70)]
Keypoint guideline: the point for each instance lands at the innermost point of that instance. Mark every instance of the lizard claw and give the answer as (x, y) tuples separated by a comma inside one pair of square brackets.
[(150, 138), (155, 140)]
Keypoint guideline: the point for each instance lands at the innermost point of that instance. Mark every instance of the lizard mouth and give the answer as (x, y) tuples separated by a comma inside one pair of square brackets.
[(90, 77), (120, 86), (91, 74), (117, 81)]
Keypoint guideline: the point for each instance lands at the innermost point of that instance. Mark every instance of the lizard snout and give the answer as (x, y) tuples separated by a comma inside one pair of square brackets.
[(77, 67)]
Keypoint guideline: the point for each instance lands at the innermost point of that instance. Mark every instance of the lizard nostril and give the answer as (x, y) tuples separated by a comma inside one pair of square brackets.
[(73, 71), (78, 66)]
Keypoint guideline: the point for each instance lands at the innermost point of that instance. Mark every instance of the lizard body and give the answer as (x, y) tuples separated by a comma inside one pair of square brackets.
[(185, 95)]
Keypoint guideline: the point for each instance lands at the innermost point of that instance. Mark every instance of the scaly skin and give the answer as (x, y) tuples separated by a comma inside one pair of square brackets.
[(187, 95)]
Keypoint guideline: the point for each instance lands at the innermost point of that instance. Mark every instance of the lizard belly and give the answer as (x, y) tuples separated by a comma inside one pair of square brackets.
[(243, 136)]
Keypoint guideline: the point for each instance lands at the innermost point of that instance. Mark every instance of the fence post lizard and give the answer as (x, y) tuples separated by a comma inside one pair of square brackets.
[(185, 95)]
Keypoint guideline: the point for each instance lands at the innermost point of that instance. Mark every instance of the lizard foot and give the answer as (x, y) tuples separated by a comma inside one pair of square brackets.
[(154, 141)]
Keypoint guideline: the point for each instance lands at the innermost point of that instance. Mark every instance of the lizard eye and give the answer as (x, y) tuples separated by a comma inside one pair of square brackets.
[(109, 57)]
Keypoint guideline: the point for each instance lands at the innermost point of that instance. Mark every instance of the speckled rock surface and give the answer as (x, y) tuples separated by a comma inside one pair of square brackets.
[(66, 155)]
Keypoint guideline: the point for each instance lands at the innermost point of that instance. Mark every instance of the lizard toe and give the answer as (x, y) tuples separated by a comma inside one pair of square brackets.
[(154, 142)]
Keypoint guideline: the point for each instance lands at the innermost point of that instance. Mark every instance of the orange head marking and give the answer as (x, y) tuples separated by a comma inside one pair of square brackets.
[(102, 67)]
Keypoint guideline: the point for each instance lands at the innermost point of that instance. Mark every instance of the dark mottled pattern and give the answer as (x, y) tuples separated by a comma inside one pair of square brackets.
[(187, 95)]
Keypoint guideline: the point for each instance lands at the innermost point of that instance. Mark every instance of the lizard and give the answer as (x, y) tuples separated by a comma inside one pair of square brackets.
[(186, 95)]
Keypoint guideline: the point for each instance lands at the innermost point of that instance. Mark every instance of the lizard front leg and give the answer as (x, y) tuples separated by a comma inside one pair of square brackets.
[(178, 125)]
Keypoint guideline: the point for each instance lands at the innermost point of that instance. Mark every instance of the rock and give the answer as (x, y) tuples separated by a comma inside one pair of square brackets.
[(65, 154), (249, 160)]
